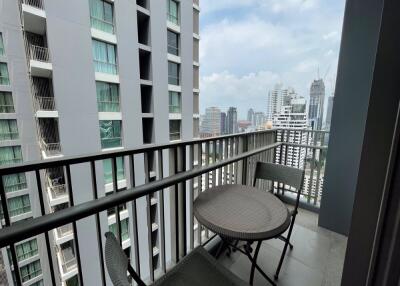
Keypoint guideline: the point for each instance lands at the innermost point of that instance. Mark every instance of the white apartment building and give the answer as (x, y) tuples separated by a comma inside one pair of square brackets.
[(211, 124), (293, 116), (277, 98), (85, 76)]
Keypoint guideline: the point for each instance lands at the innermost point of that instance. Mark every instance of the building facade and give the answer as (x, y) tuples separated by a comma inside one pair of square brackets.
[(278, 97), (329, 113), (211, 124), (231, 121), (316, 107), (78, 77)]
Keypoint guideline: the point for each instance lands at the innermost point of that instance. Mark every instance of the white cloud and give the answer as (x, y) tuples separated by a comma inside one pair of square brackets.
[(307, 66)]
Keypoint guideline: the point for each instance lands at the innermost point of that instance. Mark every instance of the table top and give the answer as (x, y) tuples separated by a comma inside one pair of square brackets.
[(241, 212)]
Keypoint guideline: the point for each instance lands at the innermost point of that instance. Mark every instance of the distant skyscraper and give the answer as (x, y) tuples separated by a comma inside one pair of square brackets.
[(250, 116), (316, 107), (211, 125), (231, 121), (259, 119), (223, 123), (277, 98), (329, 112), (293, 116)]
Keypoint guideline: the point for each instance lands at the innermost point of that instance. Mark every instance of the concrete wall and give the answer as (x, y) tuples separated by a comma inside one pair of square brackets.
[(354, 81)]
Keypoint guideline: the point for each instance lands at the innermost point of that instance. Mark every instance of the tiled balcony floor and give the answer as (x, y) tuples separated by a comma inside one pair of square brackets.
[(316, 260)]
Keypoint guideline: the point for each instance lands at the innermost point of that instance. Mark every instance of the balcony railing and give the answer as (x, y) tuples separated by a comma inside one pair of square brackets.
[(39, 53), (45, 103), (34, 3), (50, 149), (183, 170), (64, 230)]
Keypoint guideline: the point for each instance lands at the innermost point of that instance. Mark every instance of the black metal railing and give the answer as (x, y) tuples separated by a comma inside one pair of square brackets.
[(174, 174)]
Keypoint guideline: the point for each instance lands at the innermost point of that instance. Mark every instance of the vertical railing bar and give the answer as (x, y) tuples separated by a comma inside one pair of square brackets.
[(199, 186), (7, 221), (176, 195), (161, 208), (207, 162), (98, 226), (236, 163), (214, 159), (71, 201), (191, 199), (148, 216), (134, 221), (183, 192), (318, 177), (115, 190), (282, 133), (221, 157), (46, 234), (225, 157)]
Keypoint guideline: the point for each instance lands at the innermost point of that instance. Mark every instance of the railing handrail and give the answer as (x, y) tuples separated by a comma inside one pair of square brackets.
[(72, 160), (39, 225)]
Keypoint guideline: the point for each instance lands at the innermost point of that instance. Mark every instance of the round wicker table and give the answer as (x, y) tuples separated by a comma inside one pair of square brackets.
[(242, 213)]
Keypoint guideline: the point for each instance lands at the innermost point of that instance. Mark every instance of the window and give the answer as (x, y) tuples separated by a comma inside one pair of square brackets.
[(107, 97), (105, 58), (14, 182), (8, 129), (173, 73), (30, 271), (68, 256), (10, 155), (110, 133), (174, 130), (173, 43), (107, 167), (174, 102), (1, 45), (72, 281), (39, 283), (6, 103), (19, 205), (173, 11), (124, 229), (26, 250), (102, 16), (4, 78)]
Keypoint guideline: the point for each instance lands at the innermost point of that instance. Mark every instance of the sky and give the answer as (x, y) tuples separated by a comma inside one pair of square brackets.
[(248, 46)]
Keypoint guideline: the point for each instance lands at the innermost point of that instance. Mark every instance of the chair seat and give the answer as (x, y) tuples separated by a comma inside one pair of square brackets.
[(199, 268)]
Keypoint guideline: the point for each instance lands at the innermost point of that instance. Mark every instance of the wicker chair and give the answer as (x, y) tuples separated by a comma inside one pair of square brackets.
[(197, 269), (292, 177)]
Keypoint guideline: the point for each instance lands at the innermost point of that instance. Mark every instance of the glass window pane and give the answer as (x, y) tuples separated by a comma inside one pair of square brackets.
[(10, 155), (110, 133), (173, 73), (104, 57), (174, 102), (107, 97), (174, 130), (173, 43), (8, 129), (19, 205), (173, 11), (1, 45), (6, 103), (4, 78), (15, 182), (107, 168)]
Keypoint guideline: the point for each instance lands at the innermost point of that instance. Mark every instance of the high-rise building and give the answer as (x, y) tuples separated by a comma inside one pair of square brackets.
[(329, 113), (250, 116), (259, 119), (231, 121), (316, 107), (277, 98), (223, 123), (78, 77), (293, 116), (211, 124)]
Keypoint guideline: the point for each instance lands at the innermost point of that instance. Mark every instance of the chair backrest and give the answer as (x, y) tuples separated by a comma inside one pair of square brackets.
[(118, 264), (279, 173)]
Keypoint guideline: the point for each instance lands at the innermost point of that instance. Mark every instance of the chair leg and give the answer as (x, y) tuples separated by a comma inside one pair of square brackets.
[(284, 239), (276, 276)]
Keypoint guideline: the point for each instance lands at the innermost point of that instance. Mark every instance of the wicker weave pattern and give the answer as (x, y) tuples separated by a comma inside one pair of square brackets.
[(241, 212), (116, 261)]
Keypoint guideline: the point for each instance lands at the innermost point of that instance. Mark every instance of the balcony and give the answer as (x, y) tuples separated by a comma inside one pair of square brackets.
[(318, 254), (40, 65), (34, 16), (49, 141)]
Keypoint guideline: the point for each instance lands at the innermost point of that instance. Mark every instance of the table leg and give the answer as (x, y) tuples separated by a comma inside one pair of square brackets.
[(254, 262)]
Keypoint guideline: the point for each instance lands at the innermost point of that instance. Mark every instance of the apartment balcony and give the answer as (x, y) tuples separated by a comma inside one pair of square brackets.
[(318, 254), (50, 149), (40, 65), (34, 16)]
